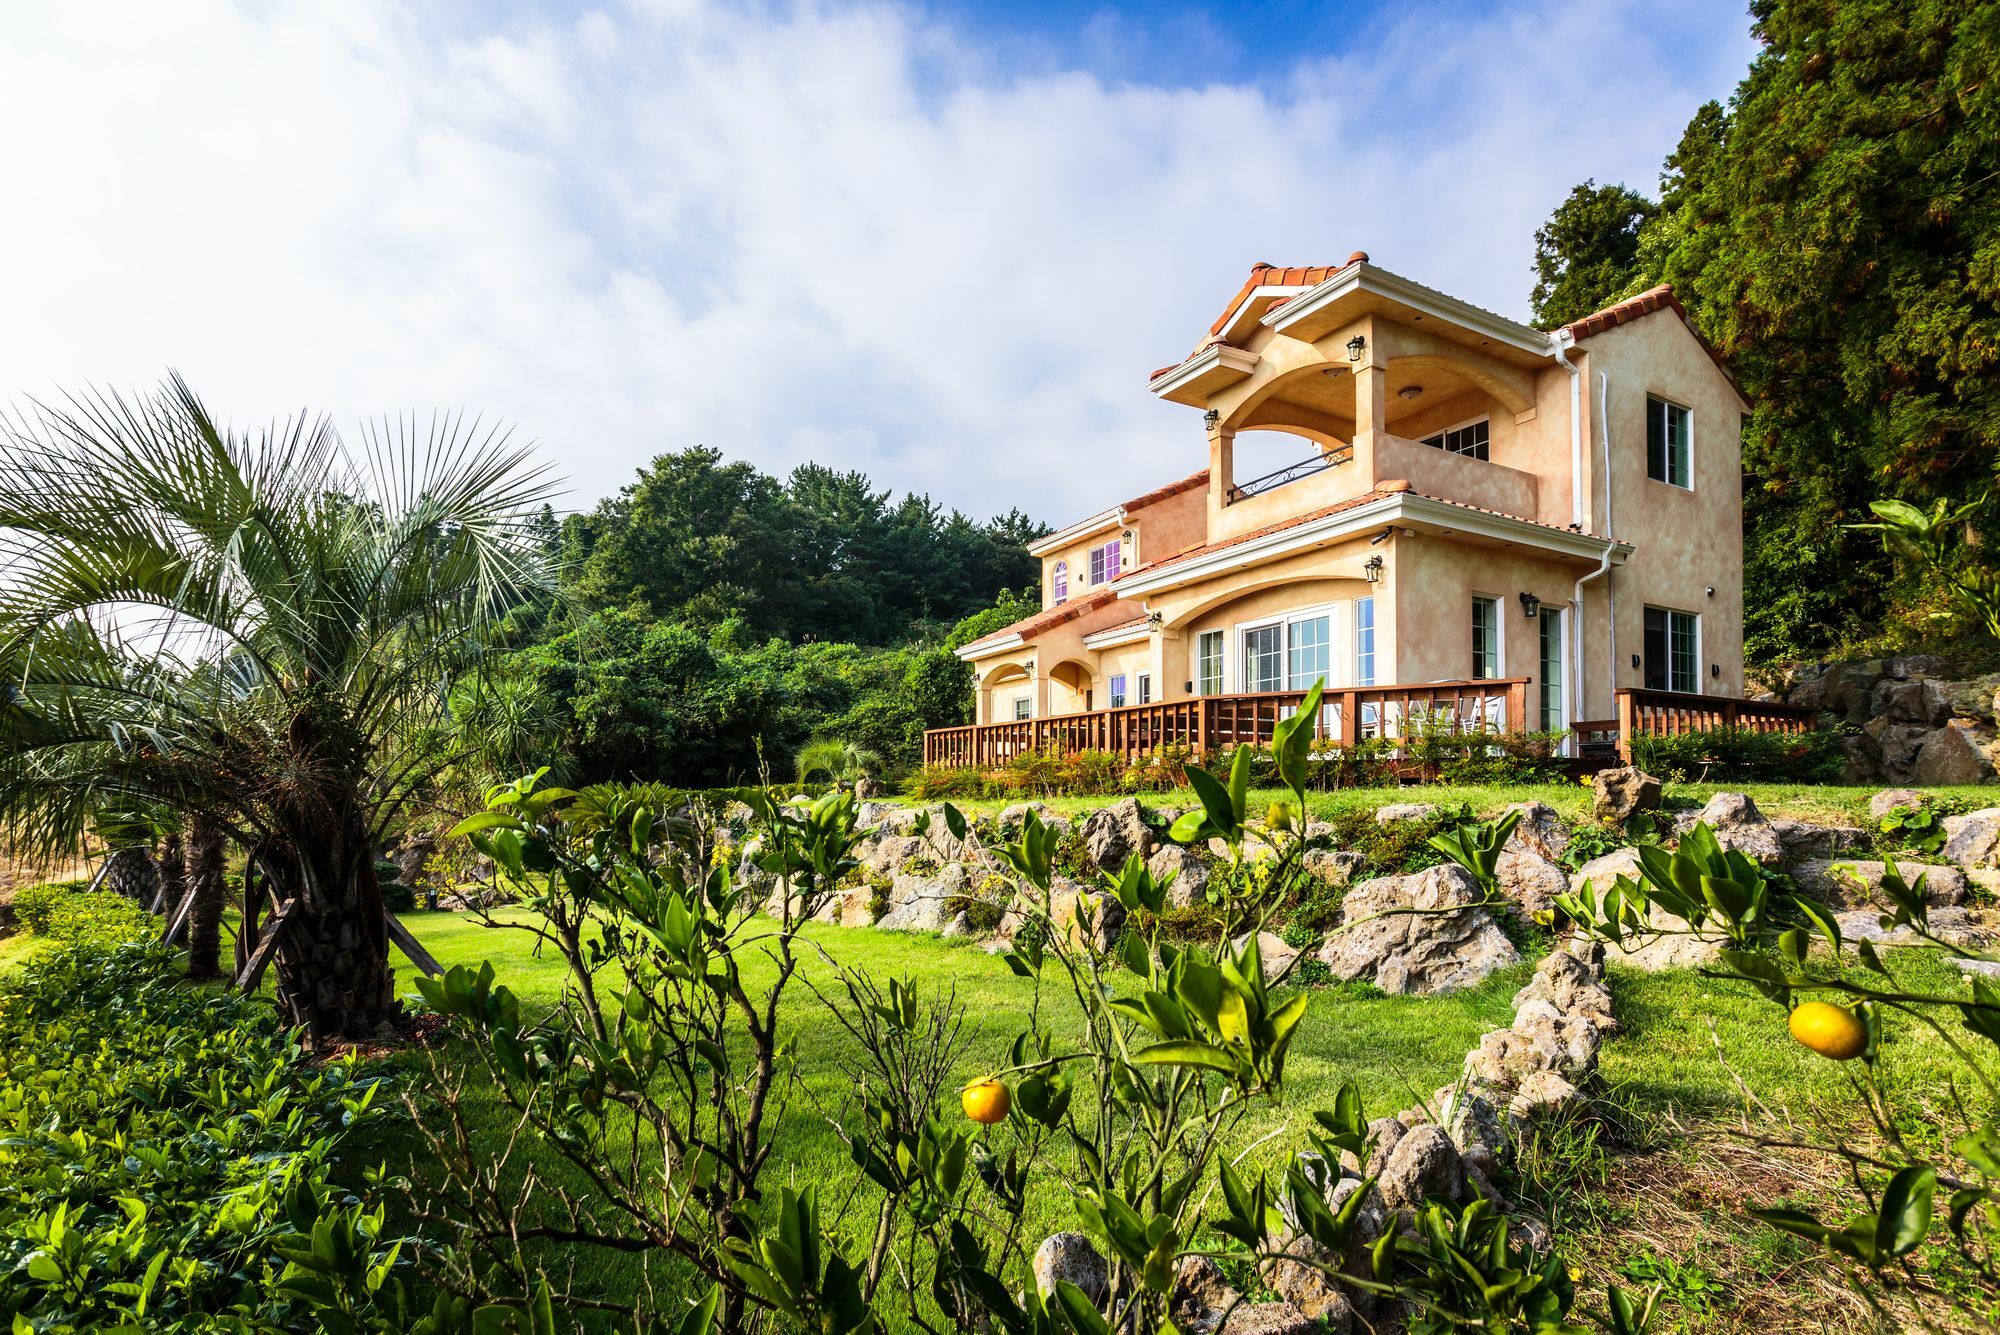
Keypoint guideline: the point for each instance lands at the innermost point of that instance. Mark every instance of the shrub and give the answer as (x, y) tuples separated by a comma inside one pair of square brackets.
[(161, 1144), (63, 911), (1740, 755)]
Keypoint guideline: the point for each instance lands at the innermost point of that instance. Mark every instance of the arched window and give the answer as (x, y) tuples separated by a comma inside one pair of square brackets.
[(1059, 581)]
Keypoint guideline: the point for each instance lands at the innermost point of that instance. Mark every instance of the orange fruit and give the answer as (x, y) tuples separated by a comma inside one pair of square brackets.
[(1834, 1032), (986, 1101)]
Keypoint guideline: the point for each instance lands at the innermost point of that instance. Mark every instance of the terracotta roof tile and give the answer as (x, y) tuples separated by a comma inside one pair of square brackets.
[(1051, 617), (1266, 275), (1632, 308), (1188, 483), (1122, 625)]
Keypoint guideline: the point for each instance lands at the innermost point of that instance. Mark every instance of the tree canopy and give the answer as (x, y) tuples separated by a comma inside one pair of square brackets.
[(1835, 232)]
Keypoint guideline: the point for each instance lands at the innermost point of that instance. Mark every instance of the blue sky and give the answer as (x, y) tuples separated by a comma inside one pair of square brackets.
[(941, 244)]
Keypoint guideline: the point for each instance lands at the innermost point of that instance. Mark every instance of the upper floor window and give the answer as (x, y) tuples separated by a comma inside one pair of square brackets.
[(1673, 650), (1118, 691), (1059, 582), (1669, 442), (1485, 638), (1468, 439), (1104, 562)]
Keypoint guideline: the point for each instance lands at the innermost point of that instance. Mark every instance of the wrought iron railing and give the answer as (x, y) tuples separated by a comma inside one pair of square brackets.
[(1291, 473)]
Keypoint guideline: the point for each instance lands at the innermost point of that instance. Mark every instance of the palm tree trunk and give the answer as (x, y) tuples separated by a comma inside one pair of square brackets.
[(333, 974), (173, 876), (131, 872), (205, 845)]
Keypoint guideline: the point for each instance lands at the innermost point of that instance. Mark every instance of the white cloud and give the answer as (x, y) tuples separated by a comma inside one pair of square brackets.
[(839, 234)]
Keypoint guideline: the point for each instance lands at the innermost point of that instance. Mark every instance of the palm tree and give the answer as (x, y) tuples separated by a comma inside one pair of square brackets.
[(205, 846), (257, 629), (837, 762)]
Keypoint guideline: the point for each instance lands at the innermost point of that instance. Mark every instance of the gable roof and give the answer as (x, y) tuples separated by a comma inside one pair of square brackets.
[(1047, 619), (1270, 275), (1653, 299), (1158, 494)]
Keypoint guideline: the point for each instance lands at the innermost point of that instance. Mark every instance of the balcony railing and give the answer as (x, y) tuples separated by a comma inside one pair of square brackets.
[(1211, 722), (1291, 473)]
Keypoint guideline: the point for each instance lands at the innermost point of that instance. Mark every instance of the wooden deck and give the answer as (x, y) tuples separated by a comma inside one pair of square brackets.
[(1212, 722)]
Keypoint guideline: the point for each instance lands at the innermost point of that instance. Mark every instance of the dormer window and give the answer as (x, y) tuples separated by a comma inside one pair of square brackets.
[(1469, 438), (1104, 562), (1059, 582)]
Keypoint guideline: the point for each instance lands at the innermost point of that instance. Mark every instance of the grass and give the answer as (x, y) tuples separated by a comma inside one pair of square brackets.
[(1649, 1192)]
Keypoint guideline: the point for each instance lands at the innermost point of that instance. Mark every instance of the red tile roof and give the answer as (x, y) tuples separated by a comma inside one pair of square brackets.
[(1122, 625), (1188, 483), (1049, 618), (1632, 308), (1351, 503), (1266, 275)]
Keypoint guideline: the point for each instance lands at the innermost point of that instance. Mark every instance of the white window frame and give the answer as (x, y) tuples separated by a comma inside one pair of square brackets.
[(1059, 583), (1024, 708), (1144, 687), (1425, 439), (1354, 635), (1499, 632), (1232, 642), (1098, 562), (1645, 442), (1117, 689), (1222, 668), (1565, 624), (1700, 650)]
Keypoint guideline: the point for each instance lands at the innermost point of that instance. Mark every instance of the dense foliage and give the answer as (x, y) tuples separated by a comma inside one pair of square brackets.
[(1835, 232), (165, 1147), (64, 913)]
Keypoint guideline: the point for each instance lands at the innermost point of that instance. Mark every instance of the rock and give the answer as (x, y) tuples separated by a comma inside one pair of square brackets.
[(1898, 744), (1528, 879), (855, 906), (1115, 833), (1272, 953), (1333, 866), (919, 903), (1385, 1132), (1976, 968), (1472, 1121), (1104, 914), (1424, 1165), (866, 788), (1920, 702), (1572, 987), (1672, 945), (1973, 840), (1854, 883), (1804, 841), (1956, 925), (1526, 1231), (1541, 832), (958, 926), (1599, 873), (1070, 1256), (1310, 1289), (868, 814), (1886, 801), (1540, 1040), (1270, 1319), (1008, 823), (1954, 754), (1448, 945), (885, 850), (1189, 869), (1618, 793), (1395, 811), (1740, 827), (1542, 1094), (1201, 1294)]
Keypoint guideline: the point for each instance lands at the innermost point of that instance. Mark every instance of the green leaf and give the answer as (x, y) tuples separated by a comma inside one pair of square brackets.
[(1185, 1052), (1905, 1217)]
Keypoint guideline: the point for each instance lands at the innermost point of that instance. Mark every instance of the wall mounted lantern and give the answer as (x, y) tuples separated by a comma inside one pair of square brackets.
[(1715, 669), (1211, 417), (1371, 570), (1531, 606), (1635, 660), (1155, 620), (1355, 347)]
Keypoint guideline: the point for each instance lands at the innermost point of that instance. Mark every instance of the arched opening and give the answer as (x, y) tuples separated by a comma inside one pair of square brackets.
[(1006, 693), (1071, 688)]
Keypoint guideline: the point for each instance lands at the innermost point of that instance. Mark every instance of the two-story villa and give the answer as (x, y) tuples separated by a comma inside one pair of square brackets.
[(1472, 500)]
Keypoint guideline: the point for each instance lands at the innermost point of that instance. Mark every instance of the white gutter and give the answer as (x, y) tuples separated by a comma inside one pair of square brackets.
[(1559, 342), (1603, 566)]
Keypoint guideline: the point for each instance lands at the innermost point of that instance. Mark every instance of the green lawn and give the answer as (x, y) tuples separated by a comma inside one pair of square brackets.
[(1666, 1089)]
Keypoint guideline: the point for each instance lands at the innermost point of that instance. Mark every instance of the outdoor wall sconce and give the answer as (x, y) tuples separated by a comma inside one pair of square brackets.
[(1155, 620), (1715, 669), (1711, 590), (1355, 347), (1635, 660), (1211, 417), (1127, 536), (1531, 606), (1371, 570)]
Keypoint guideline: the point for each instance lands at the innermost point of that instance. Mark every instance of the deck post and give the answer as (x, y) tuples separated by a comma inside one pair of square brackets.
[(1625, 723)]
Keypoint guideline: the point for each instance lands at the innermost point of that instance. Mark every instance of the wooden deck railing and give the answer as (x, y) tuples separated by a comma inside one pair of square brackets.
[(1213, 721), (1670, 713)]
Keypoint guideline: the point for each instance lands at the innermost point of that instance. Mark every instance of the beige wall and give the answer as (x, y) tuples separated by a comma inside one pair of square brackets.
[(1172, 524)]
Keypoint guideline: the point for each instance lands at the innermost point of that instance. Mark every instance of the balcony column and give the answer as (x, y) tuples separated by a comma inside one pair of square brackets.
[(1039, 690), (1371, 402), (1221, 461)]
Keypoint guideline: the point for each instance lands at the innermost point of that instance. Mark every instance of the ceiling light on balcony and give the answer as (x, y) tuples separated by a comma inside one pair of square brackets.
[(1410, 391)]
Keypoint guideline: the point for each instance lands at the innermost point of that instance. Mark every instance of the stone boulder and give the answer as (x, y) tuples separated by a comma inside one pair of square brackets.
[(1957, 753), (1740, 827), (1572, 987), (1852, 883), (1886, 801), (1599, 873), (1973, 840), (1617, 794), (1071, 1257), (885, 850), (1424, 1165), (1399, 811), (1542, 1094), (1541, 832), (1957, 925), (1304, 1285), (1529, 879), (1431, 939), (1114, 833), (1805, 841), (1273, 954), (1540, 1040), (1333, 866), (924, 903), (1189, 869), (1067, 898)]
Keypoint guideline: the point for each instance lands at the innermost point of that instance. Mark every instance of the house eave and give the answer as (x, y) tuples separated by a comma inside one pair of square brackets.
[(1195, 379), (1427, 301), (1082, 528), (1116, 636), (978, 649)]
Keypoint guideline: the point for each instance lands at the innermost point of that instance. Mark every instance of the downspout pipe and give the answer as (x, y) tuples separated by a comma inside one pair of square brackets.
[(1560, 343)]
